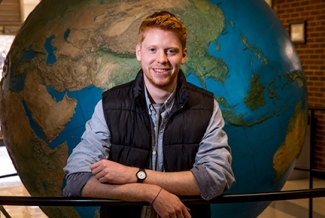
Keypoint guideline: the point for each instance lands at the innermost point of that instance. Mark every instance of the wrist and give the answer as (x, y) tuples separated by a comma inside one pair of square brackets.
[(141, 175), (153, 201), (132, 175), (151, 193)]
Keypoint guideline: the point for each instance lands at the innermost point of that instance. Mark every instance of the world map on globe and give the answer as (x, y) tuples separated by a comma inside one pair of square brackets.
[(68, 52)]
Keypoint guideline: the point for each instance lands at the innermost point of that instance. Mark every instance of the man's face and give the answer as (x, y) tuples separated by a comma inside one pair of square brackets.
[(161, 55)]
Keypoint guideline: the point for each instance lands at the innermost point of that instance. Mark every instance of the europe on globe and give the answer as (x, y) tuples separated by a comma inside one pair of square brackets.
[(68, 52)]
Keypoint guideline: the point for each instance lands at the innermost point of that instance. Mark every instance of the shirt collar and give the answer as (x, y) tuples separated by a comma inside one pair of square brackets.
[(166, 106)]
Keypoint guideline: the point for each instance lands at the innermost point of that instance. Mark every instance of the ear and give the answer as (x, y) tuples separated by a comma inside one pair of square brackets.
[(184, 56), (138, 52)]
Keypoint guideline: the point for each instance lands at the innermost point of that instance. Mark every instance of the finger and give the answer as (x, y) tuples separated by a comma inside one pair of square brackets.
[(180, 215), (101, 177), (186, 212), (96, 170), (103, 180), (95, 165), (99, 172)]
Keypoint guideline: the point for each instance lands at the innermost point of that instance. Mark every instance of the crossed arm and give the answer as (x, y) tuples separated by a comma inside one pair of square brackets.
[(113, 180), (210, 176)]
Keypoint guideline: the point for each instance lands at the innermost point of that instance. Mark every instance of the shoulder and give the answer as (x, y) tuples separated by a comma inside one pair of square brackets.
[(199, 97), (118, 89)]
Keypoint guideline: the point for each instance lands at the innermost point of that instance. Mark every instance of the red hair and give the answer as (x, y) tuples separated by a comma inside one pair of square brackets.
[(166, 21)]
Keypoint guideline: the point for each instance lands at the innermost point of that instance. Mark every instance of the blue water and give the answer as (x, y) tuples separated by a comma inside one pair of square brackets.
[(51, 59), (16, 82), (66, 34), (86, 98), (28, 54), (254, 146)]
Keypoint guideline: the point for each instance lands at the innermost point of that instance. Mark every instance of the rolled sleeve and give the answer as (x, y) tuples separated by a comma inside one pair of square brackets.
[(212, 168), (75, 184)]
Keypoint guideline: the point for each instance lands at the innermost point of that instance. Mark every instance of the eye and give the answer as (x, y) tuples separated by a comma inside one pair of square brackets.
[(152, 50), (171, 51)]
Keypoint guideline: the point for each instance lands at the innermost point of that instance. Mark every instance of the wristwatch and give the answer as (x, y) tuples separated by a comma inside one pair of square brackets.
[(141, 175)]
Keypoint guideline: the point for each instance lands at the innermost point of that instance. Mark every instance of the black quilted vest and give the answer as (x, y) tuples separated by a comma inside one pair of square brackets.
[(128, 120)]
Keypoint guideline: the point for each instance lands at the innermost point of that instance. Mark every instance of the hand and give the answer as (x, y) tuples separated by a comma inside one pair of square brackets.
[(168, 205), (106, 171)]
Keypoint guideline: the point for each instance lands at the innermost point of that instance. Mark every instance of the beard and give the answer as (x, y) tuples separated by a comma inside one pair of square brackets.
[(163, 82)]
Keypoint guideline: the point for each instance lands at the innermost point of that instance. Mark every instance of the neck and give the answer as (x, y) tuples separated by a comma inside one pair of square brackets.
[(158, 95)]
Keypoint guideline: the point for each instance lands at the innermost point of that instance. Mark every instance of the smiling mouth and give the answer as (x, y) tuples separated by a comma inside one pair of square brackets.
[(161, 70)]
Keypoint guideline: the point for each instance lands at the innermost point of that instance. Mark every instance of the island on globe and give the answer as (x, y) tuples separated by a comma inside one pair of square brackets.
[(68, 52)]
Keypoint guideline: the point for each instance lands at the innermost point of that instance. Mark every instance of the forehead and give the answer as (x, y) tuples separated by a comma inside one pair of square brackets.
[(160, 36)]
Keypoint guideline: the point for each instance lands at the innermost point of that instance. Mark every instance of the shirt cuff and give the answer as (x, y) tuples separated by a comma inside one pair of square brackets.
[(75, 184), (207, 185)]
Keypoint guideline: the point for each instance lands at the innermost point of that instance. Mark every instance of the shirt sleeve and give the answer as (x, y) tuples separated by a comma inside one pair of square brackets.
[(75, 184), (94, 145), (212, 167)]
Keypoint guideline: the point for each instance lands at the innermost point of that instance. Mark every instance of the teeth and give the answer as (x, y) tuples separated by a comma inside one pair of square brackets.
[(161, 70)]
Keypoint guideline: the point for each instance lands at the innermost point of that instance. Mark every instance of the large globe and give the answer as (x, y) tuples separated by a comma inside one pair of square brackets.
[(68, 52)]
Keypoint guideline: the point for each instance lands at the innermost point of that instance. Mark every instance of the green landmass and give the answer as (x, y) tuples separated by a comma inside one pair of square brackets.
[(296, 76), (255, 50), (222, 101), (228, 112), (263, 118), (255, 96), (232, 118), (200, 62), (273, 95), (232, 23)]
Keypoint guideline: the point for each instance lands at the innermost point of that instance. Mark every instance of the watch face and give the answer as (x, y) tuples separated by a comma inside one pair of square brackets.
[(141, 175)]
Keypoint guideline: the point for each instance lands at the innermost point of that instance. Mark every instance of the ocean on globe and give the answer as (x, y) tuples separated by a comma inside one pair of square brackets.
[(68, 52)]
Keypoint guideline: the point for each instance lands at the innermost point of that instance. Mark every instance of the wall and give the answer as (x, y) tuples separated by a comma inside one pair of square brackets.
[(312, 56)]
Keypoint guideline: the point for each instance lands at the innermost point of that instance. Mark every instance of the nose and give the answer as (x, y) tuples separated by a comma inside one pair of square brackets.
[(162, 57)]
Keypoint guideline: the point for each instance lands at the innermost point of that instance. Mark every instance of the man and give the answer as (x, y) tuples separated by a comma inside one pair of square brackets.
[(154, 138)]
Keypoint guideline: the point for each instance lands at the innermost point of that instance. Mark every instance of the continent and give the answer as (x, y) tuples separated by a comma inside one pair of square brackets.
[(33, 160), (124, 18), (292, 145), (72, 55), (46, 112), (202, 64), (255, 96)]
